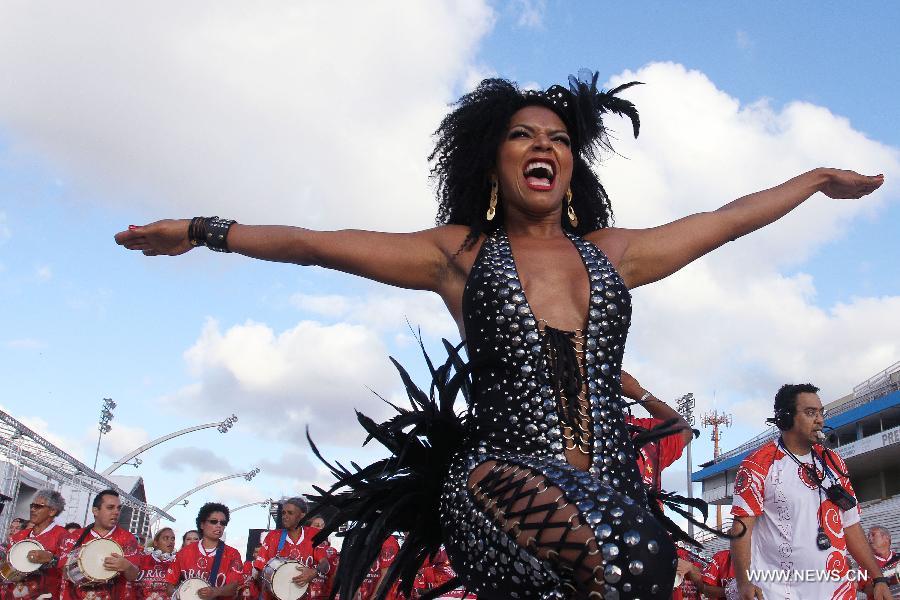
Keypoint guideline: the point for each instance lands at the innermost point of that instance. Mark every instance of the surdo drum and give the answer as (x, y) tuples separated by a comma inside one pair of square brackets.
[(85, 564), (189, 589), (277, 577), (15, 566)]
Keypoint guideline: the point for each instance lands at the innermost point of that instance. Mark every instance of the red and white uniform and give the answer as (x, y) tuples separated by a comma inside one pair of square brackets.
[(118, 588), (687, 590), (386, 557), (439, 572), (770, 485), (45, 580), (301, 549), (655, 457), (891, 558), (151, 583), (250, 589), (194, 560), (320, 587), (720, 570)]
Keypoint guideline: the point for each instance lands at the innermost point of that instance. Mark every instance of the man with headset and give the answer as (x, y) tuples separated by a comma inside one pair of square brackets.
[(801, 515)]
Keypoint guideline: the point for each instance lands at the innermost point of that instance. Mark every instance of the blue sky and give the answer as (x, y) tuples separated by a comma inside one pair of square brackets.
[(322, 119)]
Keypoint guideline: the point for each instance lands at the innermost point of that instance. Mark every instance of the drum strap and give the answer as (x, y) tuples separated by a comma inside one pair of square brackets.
[(84, 534), (217, 562), (281, 541)]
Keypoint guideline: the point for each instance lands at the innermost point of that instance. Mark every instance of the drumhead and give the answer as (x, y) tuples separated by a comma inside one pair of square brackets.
[(18, 556), (92, 555), (282, 586), (188, 588)]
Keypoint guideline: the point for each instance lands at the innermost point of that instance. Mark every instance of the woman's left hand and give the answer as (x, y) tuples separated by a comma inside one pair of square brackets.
[(841, 184)]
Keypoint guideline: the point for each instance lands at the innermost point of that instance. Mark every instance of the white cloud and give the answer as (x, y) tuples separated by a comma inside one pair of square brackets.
[(733, 322), (385, 311), (26, 344), (43, 273), (279, 382), (42, 428), (311, 113), (529, 13), (743, 40), (120, 440)]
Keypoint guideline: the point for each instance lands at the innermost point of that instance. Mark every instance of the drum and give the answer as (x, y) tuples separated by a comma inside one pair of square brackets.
[(187, 589), (15, 566), (85, 564), (277, 578)]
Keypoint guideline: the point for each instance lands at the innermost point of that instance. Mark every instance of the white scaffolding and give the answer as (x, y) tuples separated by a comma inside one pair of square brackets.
[(22, 448)]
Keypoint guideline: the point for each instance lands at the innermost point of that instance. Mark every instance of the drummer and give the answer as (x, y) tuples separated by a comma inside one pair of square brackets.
[(45, 507), (880, 541), (151, 584), (106, 508), (196, 561), (293, 541)]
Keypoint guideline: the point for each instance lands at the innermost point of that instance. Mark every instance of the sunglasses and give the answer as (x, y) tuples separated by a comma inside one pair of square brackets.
[(223, 522), (35, 506)]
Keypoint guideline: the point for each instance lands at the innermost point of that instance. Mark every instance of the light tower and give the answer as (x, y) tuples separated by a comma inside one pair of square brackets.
[(685, 407), (714, 420)]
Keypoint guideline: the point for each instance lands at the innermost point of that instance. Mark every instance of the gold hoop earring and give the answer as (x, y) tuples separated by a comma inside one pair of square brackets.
[(492, 206), (570, 210)]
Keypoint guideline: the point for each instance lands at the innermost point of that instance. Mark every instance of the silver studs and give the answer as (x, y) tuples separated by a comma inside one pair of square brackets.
[(612, 573)]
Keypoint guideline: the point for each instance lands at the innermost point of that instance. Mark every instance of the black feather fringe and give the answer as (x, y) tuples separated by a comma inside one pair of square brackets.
[(400, 493)]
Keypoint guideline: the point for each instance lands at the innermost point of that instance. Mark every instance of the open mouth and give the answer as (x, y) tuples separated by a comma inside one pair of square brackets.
[(539, 175)]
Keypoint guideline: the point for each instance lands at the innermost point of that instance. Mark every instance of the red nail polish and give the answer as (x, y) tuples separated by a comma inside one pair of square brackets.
[(132, 227)]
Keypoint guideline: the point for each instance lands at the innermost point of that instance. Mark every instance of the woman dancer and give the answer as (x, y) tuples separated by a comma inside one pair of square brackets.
[(543, 499)]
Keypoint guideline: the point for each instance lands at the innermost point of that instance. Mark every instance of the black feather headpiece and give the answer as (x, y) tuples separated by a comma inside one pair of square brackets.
[(581, 106), (468, 138)]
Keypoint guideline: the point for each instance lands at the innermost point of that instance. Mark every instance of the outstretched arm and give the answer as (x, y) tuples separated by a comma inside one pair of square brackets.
[(419, 260), (648, 255)]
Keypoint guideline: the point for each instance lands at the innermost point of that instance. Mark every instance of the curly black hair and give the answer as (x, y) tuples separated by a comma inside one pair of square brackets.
[(786, 402), (467, 139), (209, 508)]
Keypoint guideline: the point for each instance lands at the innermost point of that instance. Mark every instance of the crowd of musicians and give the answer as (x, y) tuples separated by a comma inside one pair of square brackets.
[(156, 572), (768, 487)]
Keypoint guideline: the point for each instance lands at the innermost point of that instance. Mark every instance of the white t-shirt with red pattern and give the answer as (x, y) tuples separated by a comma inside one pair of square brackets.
[(770, 485)]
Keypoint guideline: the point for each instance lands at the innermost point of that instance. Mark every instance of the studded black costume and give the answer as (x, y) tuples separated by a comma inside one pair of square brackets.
[(532, 525), (515, 423)]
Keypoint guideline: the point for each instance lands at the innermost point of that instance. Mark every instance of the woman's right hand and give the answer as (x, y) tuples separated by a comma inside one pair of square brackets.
[(168, 237)]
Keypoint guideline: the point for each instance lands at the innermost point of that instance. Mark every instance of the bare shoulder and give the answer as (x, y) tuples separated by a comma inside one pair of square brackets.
[(613, 241)]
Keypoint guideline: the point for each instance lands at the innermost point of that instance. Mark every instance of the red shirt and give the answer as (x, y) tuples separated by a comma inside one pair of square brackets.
[(653, 458), (151, 583), (45, 580), (250, 588), (687, 590), (719, 570), (320, 587), (386, 557), (118, 588), (302, 550), (892, 557), (194, 560)]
